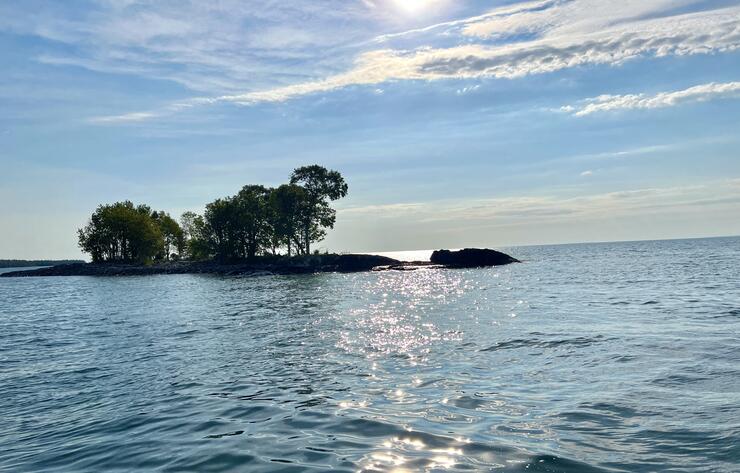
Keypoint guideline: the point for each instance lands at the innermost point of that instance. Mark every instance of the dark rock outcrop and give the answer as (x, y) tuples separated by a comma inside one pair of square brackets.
[(471, 258)]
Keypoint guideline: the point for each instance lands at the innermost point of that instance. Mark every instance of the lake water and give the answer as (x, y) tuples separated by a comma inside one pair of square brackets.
[(621, 357)]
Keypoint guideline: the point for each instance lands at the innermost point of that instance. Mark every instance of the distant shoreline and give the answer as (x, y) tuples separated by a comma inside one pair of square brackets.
[(23, 263)]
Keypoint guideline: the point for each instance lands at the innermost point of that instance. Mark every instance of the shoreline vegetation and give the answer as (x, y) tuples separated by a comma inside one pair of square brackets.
[(259, 230), (257, 221)]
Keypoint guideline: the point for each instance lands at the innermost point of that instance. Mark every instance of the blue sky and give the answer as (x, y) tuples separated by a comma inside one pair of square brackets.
[(456, 123)]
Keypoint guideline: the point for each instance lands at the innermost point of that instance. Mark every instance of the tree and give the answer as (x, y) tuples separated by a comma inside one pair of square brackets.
[(121, 232), (255, 221), (238, 226), (195, 235), (287, 204), (218, 217), (172, 235), (320, 185), (251, 220)]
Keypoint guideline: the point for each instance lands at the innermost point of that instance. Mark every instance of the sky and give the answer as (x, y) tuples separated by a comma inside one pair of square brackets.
[(455, 123)]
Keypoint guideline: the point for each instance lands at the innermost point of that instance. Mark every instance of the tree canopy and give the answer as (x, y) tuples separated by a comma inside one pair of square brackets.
[(320, 186), (256, 221), (125, 233)]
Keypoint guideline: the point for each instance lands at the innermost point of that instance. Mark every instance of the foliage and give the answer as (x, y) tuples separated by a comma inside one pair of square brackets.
[(121, 232), (261, 220), (173, 237), (255, 221), (196, 245), (237, 227), (287, 205), (320, 185)]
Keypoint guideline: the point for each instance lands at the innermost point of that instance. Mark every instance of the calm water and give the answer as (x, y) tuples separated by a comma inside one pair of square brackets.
[(586, 358)]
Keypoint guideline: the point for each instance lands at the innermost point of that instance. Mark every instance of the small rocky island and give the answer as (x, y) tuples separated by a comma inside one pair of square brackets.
[(348, 263), (258, 231)]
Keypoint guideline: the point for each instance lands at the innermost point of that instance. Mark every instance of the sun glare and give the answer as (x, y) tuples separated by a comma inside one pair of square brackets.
[(413, 6)]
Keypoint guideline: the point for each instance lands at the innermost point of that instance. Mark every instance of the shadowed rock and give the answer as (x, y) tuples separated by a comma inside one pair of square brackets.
[(471, 258)]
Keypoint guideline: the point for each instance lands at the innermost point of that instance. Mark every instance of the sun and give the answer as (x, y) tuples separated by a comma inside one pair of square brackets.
[(413, 6)]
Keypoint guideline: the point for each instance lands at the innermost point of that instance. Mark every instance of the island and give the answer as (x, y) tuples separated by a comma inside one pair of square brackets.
[(263, 266), (259, 230)]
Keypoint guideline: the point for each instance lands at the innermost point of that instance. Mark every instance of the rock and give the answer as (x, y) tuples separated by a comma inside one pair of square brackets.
[(471, 258), (352, 263)]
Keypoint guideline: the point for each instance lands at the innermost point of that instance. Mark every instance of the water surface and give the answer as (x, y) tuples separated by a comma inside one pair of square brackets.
[(616, 357)]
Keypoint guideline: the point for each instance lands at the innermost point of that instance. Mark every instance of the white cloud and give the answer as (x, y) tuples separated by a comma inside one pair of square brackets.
[(699, 93), (128, 117), (210, 47), (593, 42), (587, 173), (468, 89), (562, 18), (539, 208)]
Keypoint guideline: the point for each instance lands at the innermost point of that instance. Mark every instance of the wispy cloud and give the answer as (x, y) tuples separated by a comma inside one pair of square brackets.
[(557, 45), (699, 93), (209, 47), (125, 118), (534, 208)]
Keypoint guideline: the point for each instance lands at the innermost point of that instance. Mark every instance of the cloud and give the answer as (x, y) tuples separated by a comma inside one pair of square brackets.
[(209, 47), (587, 173), (546, 208), (128, 117), (558, 46), (457, 26), (699, 93), (561, 18)]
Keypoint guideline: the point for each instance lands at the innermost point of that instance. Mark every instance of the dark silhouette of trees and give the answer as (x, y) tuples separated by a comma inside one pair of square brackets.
[(287, 205), (251, 220), (196, 245), (238, 227), (320, 186), (220, 231), (255, 221)]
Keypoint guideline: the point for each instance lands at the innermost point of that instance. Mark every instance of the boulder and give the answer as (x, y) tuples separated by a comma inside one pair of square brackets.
[(471, 258), (354, 263)]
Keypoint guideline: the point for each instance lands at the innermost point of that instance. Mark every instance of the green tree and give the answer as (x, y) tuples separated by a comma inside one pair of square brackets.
[(321, 185), (196, 236), (287, 204), (218, 217), (257, 220), (173, 238), (239, 225), (251, 222), (121, 232)]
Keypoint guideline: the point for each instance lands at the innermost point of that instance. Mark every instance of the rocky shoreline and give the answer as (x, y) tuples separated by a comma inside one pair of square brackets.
[(347, 263)]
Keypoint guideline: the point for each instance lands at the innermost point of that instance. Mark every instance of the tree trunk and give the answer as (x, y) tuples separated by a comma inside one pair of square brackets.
[(307, 232)]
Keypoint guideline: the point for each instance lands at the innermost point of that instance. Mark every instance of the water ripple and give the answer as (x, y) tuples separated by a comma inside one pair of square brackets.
[(587, 358)]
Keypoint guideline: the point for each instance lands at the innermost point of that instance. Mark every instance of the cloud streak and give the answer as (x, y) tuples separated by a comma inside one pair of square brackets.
[(545, 208), (559, 46), (699, 93)]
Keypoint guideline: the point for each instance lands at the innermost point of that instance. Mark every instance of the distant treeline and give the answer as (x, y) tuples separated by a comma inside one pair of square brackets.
[(256, 221), (22, 263)]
